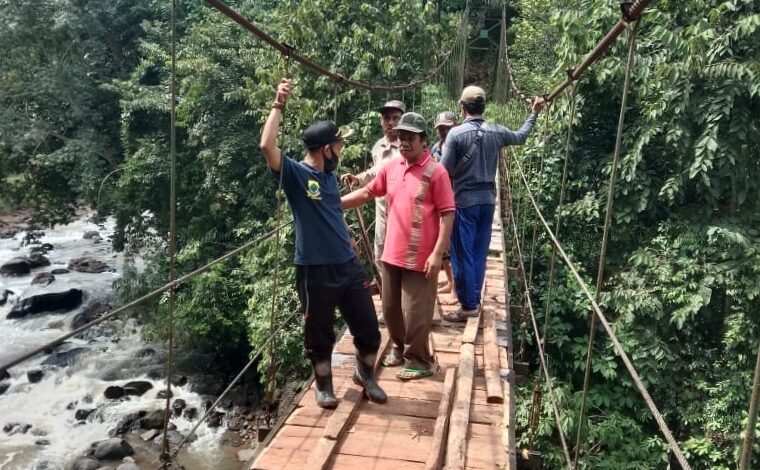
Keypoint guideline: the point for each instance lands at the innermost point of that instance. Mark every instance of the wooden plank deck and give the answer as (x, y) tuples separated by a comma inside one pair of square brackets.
[(401, 434)]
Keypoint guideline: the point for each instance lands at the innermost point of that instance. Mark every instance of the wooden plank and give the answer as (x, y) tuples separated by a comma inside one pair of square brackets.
[(471, 330), (460, 415), (491, 359), (484, 449), (435, 458), (277, 459), (338, 423), (383, 436), (352, 462), (508, 430)]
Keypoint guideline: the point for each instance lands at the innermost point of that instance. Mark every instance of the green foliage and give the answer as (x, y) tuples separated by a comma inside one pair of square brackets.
[(681, 286)]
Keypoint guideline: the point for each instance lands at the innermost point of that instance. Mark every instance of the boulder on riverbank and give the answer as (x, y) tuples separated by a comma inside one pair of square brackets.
[(85, 463), (113, 449), (88, 265), (49, 302), (19, 266), (65, 358), (43, 279), (4, 296), (90, 313)]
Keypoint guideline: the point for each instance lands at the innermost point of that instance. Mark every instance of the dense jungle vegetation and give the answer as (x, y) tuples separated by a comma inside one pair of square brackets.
[(84, 119)]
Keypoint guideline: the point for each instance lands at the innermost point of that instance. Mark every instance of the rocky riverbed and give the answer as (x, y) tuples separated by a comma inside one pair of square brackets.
[(96, 401)]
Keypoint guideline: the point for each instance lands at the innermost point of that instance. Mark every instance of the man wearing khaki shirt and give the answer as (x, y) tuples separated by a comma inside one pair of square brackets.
[(384, 150)]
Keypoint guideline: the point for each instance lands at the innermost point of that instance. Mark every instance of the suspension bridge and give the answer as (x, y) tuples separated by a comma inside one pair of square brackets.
[(463, 417)]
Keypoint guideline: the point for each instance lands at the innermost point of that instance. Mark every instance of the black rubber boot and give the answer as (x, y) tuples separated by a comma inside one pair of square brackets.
[(323, 387), (364, 376)]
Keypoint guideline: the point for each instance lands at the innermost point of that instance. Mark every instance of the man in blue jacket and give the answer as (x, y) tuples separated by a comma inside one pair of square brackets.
[(471, 155)]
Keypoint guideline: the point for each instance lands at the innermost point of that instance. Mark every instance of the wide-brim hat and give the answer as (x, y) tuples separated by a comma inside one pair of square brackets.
[(324, 133)]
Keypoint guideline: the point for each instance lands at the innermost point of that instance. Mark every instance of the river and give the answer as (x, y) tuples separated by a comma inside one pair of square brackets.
[(115, 354)]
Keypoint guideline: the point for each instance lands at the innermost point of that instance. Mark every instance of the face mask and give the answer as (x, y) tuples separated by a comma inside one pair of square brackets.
[(332, 163)]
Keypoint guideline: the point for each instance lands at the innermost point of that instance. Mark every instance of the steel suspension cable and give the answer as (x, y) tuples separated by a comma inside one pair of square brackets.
[(540, 191), (560, 202), (664, 429), (606, 231), (287, 50), (271, 369), (172, 225), (151, 295), (542, 356)]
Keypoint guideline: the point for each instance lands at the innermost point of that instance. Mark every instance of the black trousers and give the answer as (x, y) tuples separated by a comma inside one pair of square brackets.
[(321, 289)]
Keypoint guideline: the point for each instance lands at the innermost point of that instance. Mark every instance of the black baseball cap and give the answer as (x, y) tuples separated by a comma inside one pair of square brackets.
[(323, 133)]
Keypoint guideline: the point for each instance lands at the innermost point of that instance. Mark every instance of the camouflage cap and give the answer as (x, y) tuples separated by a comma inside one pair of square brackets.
[(412, 122)]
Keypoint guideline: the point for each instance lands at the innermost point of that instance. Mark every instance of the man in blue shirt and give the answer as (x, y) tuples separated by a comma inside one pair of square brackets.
[(328, 272), (471, 155)]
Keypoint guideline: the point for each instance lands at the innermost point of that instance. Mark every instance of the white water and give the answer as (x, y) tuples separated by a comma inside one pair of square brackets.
[(110, 360)]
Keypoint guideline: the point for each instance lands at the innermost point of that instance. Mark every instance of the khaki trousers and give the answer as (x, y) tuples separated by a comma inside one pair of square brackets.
[(408, 306)]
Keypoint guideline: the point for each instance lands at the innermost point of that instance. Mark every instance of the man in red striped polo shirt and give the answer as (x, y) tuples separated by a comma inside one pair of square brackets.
[(420, 218)]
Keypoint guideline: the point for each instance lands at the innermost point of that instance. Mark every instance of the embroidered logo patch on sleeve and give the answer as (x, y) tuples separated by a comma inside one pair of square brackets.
[(313, 191)]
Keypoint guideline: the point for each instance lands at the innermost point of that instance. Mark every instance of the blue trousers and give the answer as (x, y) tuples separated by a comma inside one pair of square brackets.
[(469, 248)]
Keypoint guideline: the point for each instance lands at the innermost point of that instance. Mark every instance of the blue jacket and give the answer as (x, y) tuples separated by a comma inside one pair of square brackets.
[(474, 183)]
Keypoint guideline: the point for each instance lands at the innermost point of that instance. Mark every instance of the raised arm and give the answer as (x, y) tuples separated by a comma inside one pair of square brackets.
[(268, 144), (519, 137)]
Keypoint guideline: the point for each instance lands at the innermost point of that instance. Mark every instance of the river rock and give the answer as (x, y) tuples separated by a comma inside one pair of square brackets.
[(89, 314), (113, 449), (4, 387), (82, 414), (207, 385), (16, 428), (149, 434), (49, 302), (8, 232), (153, 420), (174, 438), (19, 266), (162, 394), (214, 419), (60, 271), (43, 279), (128, 466), (42, 442), (90, 234), (190, 413), (37, 260), (178, 380), (4, 375), (145, 352), (34, 376), (85, 463), (63, 359), (137, 387), (113, 392), (88, 265), (178, 405), (4, 296), (128, 423)]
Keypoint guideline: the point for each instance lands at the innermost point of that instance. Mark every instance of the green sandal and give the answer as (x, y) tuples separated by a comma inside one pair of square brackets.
[(392, 360), (413, 373)]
